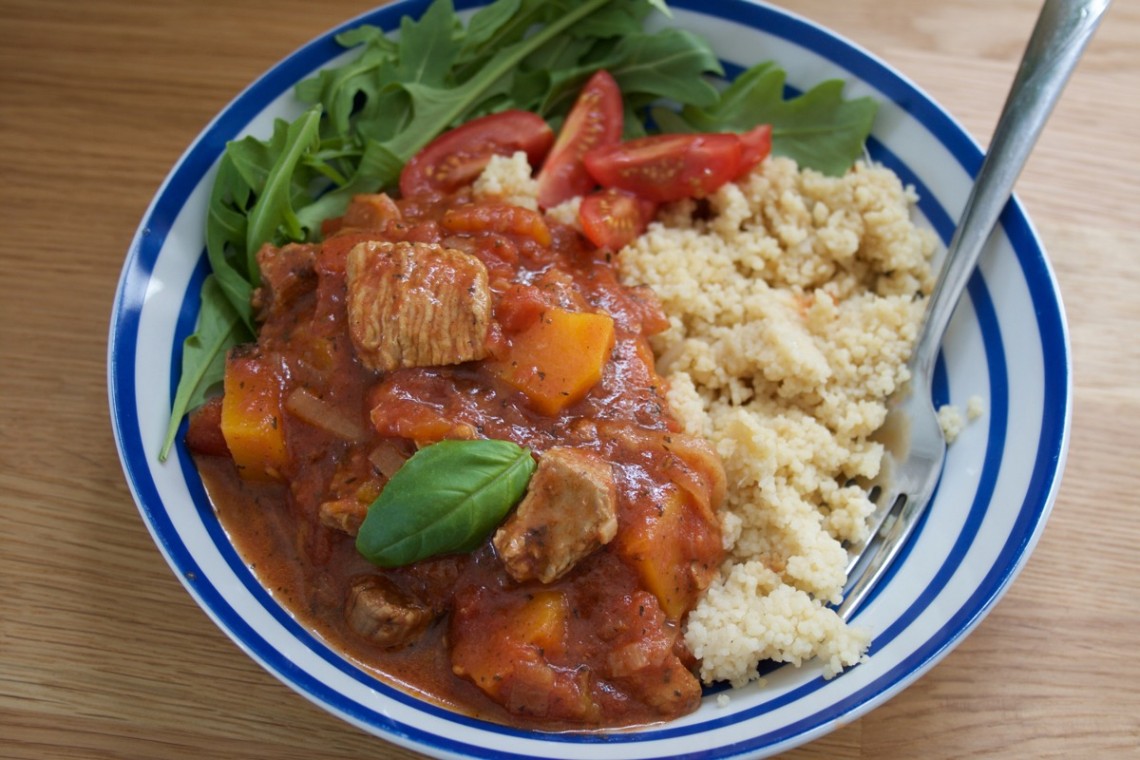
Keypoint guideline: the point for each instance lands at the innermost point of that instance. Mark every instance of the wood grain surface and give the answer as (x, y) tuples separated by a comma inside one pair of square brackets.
[(104, 655)]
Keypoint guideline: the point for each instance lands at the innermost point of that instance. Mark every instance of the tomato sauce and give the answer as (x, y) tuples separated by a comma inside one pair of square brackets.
[(597, 647)]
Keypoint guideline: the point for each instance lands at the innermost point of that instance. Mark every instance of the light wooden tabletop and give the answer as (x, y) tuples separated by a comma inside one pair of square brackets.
[(104, 655)]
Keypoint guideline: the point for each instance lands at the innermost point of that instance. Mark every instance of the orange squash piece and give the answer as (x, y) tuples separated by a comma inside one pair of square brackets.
[(524, 635), (657, 551), (251, 418), (558, 359)]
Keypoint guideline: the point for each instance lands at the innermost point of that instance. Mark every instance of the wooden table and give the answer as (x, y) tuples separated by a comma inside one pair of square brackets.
[(104, 655)]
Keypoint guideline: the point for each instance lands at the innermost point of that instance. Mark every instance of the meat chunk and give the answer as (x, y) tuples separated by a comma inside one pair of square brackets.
[(416, 305), (287, 273), (345, 515), (570, 510), (383, 614), (644, 657)]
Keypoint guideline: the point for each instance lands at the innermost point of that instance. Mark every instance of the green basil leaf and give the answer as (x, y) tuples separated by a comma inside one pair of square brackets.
[(447, 498)]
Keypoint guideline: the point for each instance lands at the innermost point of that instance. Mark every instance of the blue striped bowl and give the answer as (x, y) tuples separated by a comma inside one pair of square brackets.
[(1007, 343)]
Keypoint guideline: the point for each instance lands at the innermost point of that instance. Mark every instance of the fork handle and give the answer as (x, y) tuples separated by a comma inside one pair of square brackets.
[(1060, 35)]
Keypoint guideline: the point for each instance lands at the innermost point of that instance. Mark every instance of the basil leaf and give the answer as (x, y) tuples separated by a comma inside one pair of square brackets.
[(447, 498)]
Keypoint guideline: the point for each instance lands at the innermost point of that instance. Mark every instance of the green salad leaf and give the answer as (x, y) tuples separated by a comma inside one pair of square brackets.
[(446, 498), (819, 128), (204, 353)]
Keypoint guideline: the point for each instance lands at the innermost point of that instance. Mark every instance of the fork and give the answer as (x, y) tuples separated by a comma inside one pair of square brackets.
[(914, 462)]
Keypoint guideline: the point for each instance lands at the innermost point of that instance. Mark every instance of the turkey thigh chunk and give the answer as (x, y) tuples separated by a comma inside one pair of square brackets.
[(570, 510), (416, 305), (383, 614)]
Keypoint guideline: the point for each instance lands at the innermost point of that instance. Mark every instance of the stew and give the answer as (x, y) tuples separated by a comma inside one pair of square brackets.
[(442, 317)]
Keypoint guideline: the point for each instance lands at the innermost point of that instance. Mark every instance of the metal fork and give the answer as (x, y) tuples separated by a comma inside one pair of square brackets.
[(914, 463)]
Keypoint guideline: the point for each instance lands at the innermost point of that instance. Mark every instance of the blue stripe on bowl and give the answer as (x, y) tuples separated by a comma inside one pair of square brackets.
[(1033, 510)]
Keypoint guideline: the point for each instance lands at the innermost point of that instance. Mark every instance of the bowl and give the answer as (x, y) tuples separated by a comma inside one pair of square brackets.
[(1007, 344)]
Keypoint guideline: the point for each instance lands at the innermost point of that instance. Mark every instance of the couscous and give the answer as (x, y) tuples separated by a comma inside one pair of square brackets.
[(794, 301)]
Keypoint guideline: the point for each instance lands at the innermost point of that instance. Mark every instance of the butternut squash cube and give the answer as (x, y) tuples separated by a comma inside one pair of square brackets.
[(657, 549), (526, 634), (251, 417), (558, 359), (541, 622), (517, 654)]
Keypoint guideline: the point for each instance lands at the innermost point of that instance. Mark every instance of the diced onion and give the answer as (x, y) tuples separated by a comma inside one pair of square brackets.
[(314, 410), (387, 458)]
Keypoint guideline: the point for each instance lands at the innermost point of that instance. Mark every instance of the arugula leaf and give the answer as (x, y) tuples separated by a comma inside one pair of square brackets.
[(252, 201), (204, 355), (428, 47), (446, 498), (819, 129), (487, 26), (338, 89), (662, 65), (272, 217), (499, 25), (226, 226), (376, 161), (615, 20), (437, 108)]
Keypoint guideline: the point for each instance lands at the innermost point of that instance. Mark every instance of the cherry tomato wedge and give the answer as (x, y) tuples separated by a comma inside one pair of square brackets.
[(756, 144), (612, 218), (595, 120), (667, 167), (457, 157)]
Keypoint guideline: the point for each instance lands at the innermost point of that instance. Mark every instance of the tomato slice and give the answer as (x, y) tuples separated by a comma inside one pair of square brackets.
[(612, 218), (756, 144), (457, 157), (595, 120), (666, 168)]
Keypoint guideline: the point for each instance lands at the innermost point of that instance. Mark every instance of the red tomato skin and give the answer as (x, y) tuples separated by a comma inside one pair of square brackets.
[(204, 433), (613, 218), (756, 144), (456, 157), (596, 119), (665, 168)]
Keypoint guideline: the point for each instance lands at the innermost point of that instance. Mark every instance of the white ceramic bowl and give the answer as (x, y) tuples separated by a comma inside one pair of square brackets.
[(1007, 344)]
